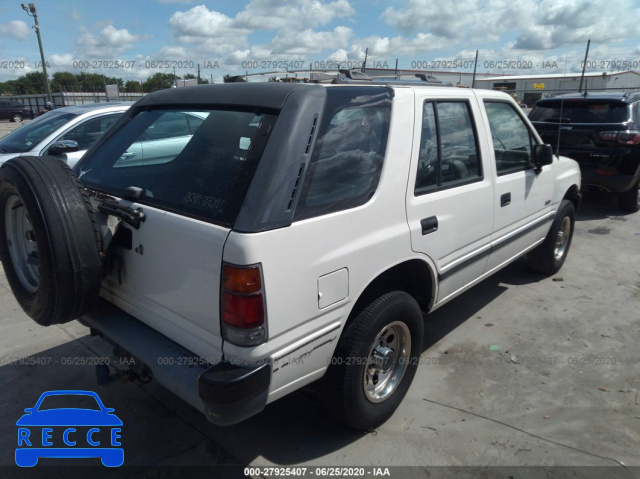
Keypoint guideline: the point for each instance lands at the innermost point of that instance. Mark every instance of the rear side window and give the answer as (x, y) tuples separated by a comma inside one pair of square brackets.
[(89, 131), (448, 148), (349, 151), (197, 163), (580, 111)]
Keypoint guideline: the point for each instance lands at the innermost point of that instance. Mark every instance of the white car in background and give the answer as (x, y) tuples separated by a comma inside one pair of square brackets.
[(65, 132)]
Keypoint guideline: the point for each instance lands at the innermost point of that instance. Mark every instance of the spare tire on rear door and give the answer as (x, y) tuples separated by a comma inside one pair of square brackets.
[(50, 243)]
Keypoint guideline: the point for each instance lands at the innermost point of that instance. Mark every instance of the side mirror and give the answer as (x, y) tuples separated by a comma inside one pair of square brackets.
[(542, 155), (63, 146)]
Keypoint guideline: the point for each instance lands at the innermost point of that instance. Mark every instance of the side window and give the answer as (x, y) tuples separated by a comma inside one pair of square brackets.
[(347, 159), (512, 140), (448, 148), (85, 134)]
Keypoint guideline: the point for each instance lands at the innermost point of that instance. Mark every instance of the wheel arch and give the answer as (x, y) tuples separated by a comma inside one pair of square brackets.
[(413, 276), (574, 195)]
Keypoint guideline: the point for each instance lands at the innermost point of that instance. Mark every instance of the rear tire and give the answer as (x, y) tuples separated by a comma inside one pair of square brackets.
[(630, 200), (16, 117), (49, 241), (548, 257), (375, 362)]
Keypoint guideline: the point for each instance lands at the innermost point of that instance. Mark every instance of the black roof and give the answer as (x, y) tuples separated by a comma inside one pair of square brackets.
[(264, 94), (628, 97)]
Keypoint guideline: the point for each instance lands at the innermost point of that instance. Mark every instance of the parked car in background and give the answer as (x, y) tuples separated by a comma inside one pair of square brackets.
[(13, 111), (64, 132), (601, 131)]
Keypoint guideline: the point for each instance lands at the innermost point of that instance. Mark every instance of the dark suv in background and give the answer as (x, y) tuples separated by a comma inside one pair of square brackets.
[(13, 111), (601, 131)]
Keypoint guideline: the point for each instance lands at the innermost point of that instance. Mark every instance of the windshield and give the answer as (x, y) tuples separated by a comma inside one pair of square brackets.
[(580, 111), (197, 163), (28, 136)]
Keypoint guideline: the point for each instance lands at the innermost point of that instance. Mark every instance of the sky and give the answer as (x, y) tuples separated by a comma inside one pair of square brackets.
[(136, 38)]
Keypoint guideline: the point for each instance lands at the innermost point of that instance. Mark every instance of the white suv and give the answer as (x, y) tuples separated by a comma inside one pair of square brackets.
[(246, 240)]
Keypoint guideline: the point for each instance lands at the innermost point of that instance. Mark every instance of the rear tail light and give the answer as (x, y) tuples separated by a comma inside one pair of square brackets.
[(242, 305), (628, 137)]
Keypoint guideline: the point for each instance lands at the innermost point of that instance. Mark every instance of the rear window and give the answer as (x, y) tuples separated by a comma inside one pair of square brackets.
[(198, 163), (580, 111)]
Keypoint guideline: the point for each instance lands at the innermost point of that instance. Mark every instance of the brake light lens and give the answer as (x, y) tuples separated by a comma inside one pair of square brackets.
[(242, 305), (242, 311), (627, 137)]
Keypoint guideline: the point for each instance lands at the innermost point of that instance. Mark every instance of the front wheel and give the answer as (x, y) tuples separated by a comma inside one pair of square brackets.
[(548, 257), (375, 362), (630, 200), (16, 117)]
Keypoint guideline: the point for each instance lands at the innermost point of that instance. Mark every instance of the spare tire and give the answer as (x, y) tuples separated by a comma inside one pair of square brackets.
[(50, 243)]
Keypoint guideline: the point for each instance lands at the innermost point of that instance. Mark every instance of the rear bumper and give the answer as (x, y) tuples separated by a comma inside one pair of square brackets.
[(226, 393), (614, 183)]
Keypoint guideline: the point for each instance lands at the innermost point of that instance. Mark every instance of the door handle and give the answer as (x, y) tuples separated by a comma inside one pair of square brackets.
[(429, 225), (505, 199)]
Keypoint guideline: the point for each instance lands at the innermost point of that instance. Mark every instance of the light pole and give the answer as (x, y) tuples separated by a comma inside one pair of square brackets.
[(31, 11)]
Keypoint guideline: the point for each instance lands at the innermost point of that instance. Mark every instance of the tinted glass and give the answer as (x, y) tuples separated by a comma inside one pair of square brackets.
[(580, 111), (448, 147), (28, 136), (196, 163), (89, 131), (512, 140), (349, 152)]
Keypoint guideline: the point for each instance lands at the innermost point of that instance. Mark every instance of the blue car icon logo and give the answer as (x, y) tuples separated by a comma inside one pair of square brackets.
[(69, 424)]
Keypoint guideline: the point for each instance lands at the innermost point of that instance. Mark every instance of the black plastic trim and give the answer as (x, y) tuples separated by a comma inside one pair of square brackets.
[(268, 203), (232, 393)]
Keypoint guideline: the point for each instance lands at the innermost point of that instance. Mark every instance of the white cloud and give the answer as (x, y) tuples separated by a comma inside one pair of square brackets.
[(63, 62), (16, 29), (308, 42), (298, 15), (215, 31), (109, 43)]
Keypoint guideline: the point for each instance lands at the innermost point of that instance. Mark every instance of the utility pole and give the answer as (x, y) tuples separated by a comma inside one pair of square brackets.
[(31, 11)]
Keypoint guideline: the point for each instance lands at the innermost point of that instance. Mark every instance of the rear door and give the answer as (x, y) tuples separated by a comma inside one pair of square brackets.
[(167, 271), (450, 195)]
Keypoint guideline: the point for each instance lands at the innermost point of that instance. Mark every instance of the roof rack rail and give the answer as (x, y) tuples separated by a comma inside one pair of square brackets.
[(354, 76)]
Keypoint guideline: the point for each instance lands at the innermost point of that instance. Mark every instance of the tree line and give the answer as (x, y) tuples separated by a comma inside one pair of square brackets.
[(33, 83)]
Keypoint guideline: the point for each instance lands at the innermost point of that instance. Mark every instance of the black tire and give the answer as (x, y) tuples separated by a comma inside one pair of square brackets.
[(49, 240), (630, 200), (348, 389), (16, 117), (548, 257)]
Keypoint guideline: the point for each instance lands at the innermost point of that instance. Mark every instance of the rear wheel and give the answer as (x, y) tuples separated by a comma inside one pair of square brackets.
[(630, 200), (49, 240), (548, 257), (375, 362), (16, 117)]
